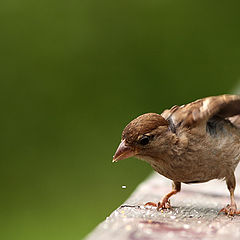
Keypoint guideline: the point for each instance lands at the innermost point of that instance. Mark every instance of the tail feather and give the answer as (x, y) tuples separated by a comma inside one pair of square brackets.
[(235, 120)]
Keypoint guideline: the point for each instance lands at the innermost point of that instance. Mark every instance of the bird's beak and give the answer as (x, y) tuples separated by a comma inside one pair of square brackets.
[(123, 151)]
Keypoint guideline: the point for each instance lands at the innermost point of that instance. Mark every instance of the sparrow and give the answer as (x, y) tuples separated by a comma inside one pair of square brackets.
[(192, 143)]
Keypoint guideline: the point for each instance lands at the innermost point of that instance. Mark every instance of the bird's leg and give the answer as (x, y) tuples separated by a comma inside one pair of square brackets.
[(231, 209), (165, 203)]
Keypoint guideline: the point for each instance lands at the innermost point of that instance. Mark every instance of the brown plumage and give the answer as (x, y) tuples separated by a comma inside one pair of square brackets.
[(193, 143)]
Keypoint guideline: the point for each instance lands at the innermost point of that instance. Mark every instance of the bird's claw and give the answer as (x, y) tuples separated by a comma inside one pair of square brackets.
[(230, 210), (165, 204), (152, 204)]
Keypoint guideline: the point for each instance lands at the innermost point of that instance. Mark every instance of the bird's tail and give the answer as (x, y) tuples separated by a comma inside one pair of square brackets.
[(235, 120)]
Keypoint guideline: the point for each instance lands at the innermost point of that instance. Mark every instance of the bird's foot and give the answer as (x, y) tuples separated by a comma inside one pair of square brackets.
[(164, 204), (230, 210)]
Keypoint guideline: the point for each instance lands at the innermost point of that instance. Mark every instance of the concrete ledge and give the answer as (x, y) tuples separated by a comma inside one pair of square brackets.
[(194, 214)]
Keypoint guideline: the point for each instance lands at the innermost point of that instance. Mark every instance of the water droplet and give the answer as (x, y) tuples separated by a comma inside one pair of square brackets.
[(123, 186)]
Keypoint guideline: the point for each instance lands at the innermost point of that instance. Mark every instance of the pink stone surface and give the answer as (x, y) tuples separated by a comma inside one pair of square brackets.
[(194, 213)]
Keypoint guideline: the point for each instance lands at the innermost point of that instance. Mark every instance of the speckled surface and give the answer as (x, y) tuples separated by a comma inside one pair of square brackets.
[(194, 213)]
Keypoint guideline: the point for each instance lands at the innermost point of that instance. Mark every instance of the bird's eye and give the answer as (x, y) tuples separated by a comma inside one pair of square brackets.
[(144, 140)]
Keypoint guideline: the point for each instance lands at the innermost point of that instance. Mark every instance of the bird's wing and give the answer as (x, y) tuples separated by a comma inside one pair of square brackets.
[(200, 111)]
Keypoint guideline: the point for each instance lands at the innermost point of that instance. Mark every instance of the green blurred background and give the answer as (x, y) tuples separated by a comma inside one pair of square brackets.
[(73, 74)]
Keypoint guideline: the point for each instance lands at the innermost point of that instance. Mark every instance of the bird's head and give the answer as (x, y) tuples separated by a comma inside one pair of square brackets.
[(143, 137)]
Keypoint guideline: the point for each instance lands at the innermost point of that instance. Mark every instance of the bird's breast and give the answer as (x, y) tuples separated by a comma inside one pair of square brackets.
[(205, 158)]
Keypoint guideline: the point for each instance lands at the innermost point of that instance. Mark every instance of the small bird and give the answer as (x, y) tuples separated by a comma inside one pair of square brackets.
[(192, 143)]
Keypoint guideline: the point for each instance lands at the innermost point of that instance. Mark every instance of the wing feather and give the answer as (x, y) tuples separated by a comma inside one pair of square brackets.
[(200, 111)]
